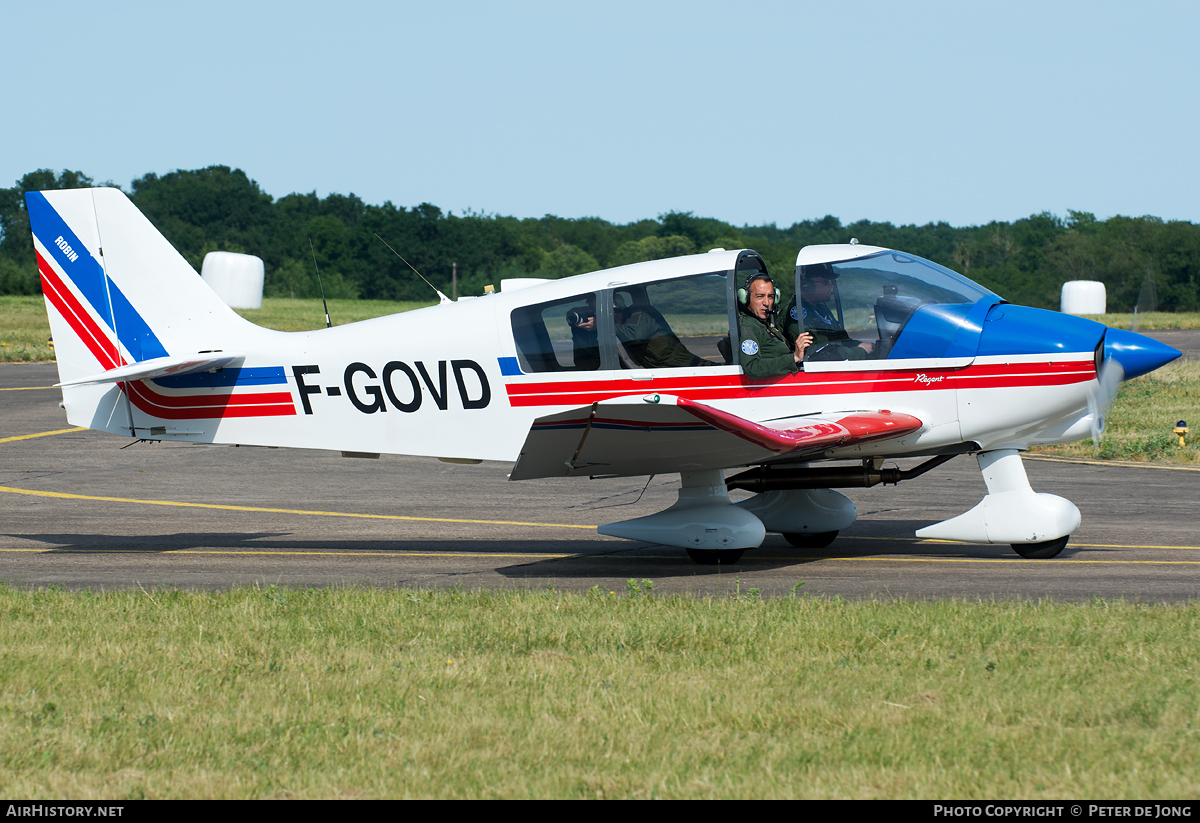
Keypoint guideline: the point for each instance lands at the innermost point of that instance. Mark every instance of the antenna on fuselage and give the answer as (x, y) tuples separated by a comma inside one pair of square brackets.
[(441, 296), (321, 286)]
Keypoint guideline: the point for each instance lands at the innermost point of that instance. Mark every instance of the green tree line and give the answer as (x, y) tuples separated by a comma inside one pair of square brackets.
[(222, 209)]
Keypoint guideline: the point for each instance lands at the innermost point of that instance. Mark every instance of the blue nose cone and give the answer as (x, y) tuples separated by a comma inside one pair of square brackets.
[(1137, 353)]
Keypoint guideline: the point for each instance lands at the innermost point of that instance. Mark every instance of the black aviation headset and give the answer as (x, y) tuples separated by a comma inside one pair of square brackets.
[(743, 294)]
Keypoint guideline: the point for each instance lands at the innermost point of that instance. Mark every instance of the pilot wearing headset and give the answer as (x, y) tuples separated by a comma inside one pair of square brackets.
[(766, 351), (830, 340)]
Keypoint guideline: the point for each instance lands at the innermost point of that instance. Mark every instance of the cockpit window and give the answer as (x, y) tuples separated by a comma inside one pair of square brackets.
[(857, 309), (558, 336), (897, 273), (673, 323), (668, 324)]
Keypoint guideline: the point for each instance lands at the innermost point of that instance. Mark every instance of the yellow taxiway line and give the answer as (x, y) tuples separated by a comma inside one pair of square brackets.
[(41, 434), (1073, 544), (182, 504), (179, 503), (1083, 461), (26, 388), (581, 556)]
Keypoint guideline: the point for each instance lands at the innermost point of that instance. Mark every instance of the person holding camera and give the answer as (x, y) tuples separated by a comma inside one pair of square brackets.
[(585, 345)]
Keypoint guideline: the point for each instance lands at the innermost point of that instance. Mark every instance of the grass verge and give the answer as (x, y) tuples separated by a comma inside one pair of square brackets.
[(1141, 420), (294, 314), (1150, 320), (389, 693), (25, 331)]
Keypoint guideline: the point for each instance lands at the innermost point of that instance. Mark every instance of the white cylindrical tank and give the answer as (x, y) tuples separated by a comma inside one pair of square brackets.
[(1083, 297), (236, 278)]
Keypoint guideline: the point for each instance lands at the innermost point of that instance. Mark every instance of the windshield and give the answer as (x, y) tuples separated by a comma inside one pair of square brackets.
[(857, 309), (902, 275)]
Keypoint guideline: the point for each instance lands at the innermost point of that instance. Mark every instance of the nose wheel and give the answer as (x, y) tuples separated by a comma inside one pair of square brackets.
[(1041, 551), (1037, 526)]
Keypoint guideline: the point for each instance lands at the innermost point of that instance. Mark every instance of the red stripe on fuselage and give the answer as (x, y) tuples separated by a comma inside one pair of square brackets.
[(734, 387), (201, 407)]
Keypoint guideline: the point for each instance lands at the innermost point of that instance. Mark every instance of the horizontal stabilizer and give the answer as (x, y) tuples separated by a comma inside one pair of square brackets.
[(159, 367), (660, 434)]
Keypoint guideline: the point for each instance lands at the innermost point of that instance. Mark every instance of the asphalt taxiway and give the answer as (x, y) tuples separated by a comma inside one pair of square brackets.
[(84, 509)]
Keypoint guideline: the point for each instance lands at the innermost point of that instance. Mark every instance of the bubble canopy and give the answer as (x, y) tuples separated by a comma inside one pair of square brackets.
[(894, 305)]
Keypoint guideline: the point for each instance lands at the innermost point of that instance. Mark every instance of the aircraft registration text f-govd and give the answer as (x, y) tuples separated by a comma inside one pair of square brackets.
[(393, 385), (687, 365)]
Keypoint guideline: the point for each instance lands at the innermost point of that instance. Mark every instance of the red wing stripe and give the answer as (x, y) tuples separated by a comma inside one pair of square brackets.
[(869, 426), (781, 442), (850, 429)]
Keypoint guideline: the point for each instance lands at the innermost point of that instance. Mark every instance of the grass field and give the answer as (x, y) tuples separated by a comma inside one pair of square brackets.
[(383, 693), (286, 314), (25, 331), (1141, 422), (1150, 320)]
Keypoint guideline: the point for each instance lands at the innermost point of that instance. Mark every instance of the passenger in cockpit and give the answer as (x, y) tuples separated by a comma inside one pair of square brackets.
[(830, 340), (646, 336), (584, 342)]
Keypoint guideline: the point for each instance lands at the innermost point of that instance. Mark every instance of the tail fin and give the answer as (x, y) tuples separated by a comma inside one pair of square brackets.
[(117, 292)]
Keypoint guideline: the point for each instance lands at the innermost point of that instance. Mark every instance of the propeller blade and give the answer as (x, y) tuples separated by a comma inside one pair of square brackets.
[(1102, 395)]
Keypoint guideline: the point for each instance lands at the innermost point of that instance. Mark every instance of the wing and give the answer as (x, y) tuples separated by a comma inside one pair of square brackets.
[(659, 434)]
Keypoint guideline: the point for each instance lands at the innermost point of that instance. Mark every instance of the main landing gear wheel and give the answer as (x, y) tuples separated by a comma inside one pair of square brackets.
[(805, 540), (717, 557), (1041, 551)]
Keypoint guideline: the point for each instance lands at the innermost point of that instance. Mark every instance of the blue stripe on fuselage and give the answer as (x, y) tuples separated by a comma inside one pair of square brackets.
[(509, 366), (88, 276), (259, 376)]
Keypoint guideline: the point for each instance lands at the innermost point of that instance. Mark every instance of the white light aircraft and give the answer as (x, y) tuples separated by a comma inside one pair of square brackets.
[(635, 370)]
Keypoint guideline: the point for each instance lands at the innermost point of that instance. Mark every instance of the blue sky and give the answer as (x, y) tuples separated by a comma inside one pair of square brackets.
[(753, 112)]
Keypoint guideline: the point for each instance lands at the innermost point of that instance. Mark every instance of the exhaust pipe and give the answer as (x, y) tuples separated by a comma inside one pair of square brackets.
[(767, 478)]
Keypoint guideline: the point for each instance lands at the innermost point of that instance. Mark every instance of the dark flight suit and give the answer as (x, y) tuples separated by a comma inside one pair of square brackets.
[(765, 351), (821, 322), (651, 344), (586, 349)]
